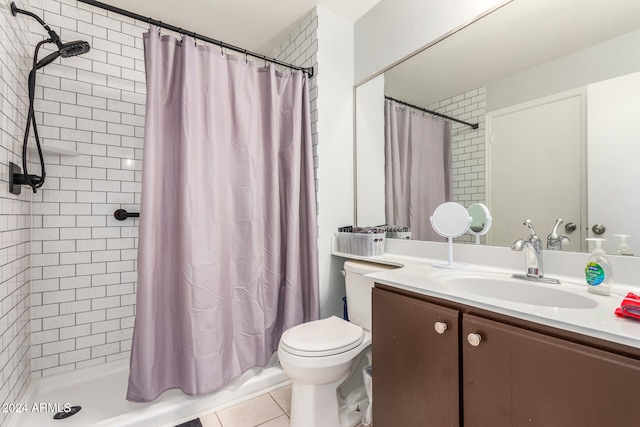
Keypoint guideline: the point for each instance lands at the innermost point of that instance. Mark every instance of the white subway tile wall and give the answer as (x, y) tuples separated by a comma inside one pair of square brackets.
[(83, 260), (468, 149), (15, 219)]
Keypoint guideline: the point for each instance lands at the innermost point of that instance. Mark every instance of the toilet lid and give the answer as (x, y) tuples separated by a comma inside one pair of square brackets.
[(322, 337)]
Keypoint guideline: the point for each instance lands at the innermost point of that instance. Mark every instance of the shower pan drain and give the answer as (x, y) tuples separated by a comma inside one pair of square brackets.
[(66, 414)]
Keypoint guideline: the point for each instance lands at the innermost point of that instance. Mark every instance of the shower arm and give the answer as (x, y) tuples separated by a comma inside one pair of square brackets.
[(18, 177), (52, 34)]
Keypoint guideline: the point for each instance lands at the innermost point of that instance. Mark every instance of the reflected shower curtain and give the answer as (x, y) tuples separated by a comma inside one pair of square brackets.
[(227, 256), (418, 173)]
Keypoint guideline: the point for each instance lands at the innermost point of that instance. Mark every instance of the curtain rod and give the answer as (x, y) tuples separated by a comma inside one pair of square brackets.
[(435, 113), (193, 34)]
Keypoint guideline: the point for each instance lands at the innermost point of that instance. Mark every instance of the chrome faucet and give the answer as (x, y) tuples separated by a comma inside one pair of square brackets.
[(555, 240), (533, 256)]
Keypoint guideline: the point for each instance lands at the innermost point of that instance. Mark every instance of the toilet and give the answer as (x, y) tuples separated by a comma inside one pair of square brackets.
[(325, 358)]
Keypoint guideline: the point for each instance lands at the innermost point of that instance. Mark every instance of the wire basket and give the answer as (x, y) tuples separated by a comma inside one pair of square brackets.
[(363, 244), (402, 235)]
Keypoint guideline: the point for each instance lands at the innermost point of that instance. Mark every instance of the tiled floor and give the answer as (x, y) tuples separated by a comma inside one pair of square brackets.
[(268, 410)]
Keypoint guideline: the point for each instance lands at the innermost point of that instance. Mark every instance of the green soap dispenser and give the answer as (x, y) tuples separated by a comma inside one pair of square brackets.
[(598, 271)]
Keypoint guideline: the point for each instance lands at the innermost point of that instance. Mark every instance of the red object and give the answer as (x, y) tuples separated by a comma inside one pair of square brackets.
[(630, 307)]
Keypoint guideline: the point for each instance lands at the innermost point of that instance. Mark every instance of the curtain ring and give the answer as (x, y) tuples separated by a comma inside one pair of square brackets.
[(246, 57), (181, 35), (149, 22), (160, 28), (195, 39), (221, 49)]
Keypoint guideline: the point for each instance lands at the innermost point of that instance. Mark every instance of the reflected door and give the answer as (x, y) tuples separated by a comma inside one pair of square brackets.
[(534, 170), (613, 159)]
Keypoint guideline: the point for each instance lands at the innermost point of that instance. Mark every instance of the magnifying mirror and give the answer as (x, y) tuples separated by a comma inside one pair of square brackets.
[(450, 220), (480, 220)]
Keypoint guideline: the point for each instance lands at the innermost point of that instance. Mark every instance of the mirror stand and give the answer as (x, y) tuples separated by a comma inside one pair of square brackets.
[(450, 265), (481, 220), (450, 220)]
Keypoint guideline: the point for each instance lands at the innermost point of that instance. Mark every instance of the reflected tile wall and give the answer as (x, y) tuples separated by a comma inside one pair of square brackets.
[(468, 147)]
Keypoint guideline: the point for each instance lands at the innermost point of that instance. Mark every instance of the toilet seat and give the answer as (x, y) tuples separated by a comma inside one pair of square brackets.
[(323, 337)]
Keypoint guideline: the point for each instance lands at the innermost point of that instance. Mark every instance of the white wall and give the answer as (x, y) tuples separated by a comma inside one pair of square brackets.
[(335, 149), (15, 220), (370, 154), (394, 29), (621, 56)]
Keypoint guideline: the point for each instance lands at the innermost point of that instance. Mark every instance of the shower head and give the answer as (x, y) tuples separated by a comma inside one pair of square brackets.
[(74, 48), (65, 50)]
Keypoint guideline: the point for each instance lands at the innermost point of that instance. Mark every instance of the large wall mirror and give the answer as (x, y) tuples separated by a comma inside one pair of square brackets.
[(554, 88)]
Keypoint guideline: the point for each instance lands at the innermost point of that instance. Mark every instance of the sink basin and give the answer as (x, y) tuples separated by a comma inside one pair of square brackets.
[(507, 288)]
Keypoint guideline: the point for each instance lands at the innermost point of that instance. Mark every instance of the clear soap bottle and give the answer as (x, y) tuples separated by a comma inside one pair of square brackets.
[(598, 271), (623, 247)]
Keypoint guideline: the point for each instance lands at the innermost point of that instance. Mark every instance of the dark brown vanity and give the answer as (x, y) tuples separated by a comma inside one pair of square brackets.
[(441, 363)]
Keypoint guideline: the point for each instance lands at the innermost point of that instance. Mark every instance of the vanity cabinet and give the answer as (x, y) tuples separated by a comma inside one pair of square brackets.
[(411, 381), (516, 377), (493, 369)]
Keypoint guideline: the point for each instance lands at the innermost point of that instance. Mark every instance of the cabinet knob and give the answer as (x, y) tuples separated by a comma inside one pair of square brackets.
[(440, 327), (474, 339)]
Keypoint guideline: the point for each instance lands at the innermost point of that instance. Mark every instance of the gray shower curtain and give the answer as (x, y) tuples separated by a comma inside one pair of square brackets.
[(418, 168), (227, 256)]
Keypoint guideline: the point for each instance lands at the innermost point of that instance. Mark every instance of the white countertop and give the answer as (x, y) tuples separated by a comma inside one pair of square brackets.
[(418, 275)]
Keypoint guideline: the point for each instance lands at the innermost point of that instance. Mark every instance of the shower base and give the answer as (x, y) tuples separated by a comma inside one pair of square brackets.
[(100, 391)]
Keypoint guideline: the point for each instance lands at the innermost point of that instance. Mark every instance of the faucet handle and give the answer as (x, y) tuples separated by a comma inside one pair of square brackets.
[(555, 240), (527, 223), (559, 221)]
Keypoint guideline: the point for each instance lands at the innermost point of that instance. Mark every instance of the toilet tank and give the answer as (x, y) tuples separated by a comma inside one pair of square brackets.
[(358, 289)]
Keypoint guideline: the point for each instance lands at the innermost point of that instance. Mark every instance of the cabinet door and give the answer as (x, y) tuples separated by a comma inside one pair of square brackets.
[(415, 368), (515, 377)]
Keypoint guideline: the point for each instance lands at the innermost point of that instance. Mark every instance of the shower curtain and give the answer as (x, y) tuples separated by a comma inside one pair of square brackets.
[(418, 168), (227, 256)]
